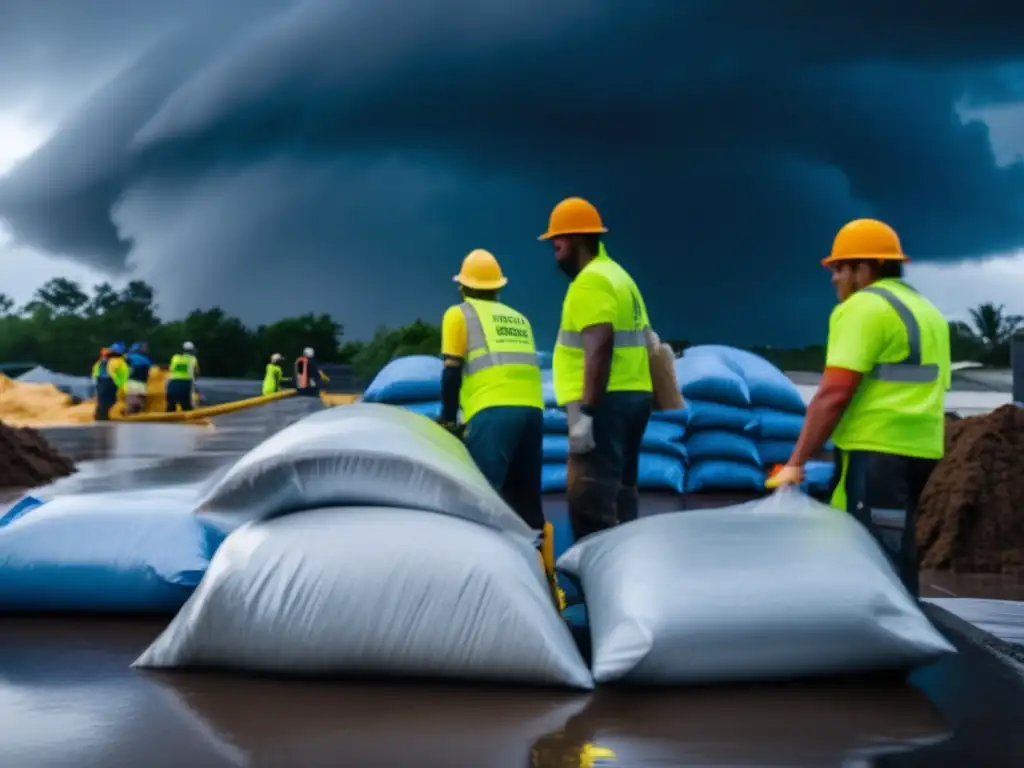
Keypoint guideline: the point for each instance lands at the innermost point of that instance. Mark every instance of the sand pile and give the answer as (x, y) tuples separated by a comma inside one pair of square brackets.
[(35, 405), (27, 460), (971, 517)]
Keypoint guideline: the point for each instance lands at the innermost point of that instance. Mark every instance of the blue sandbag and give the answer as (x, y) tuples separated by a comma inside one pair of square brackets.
[(556, 448), (552, 477), (775, 451), (127, 552), (778, 425), (717, 475), (705, 415), (660, 473), (658, 438), (766, 384), (721, 444), (710, 377), (431, 409), (412, 379), (547, 383), (555, 422), (544, 359), (680, 416), (818, 475)]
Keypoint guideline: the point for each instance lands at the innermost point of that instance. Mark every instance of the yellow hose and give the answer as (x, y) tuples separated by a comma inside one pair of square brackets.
[(329, 399), (202, 414)]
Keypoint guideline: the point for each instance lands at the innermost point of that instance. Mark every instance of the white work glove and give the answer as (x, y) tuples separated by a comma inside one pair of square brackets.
[(581, 435)]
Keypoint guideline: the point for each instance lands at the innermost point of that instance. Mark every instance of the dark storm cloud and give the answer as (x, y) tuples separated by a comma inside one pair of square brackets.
[(346, 155)]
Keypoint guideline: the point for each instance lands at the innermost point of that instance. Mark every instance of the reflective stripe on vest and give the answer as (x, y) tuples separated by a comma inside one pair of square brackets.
[(620, 339), (501, 366), (909, 370)]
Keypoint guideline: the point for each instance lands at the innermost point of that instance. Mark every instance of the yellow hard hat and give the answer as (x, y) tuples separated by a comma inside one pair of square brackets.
[(481, 270), (866, 239), (574, 216)]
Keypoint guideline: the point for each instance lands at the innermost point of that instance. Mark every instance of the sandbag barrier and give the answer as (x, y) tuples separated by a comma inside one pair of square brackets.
[(203, 414)]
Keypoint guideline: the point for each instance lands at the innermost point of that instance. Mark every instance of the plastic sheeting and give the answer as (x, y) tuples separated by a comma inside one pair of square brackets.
[(777, 588), (360, 454), (720, 444), (79, 386), (336, 591), (128, 551), (430, 409), (768, 386), (657, 473), (412, 379), (723, 475)]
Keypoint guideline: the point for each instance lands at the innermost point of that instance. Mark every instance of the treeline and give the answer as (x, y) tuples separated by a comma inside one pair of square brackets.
[(64, 327)]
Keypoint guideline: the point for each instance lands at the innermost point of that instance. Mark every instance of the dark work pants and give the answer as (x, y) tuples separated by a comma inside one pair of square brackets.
[(308, 392), (882, 491), (106, 398), (601, 484), (179, 393), (506, 443)]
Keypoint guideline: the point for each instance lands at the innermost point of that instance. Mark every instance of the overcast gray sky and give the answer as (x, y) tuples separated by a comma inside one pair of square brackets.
[(275, 156)]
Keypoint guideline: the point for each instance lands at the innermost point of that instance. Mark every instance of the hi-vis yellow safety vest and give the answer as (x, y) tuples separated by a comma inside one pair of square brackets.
[(501, 366), (182, 368), (272, 379), (630, 370)]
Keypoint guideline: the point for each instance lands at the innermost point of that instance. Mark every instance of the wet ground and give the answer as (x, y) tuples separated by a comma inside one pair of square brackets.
[(69, 698)]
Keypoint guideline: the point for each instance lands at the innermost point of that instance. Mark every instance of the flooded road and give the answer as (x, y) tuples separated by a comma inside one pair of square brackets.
[(68, 696)]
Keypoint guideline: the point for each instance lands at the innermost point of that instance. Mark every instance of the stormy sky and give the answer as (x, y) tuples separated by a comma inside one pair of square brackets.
[(276, 156)]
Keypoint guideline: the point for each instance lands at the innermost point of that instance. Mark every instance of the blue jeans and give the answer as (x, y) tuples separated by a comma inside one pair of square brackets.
[(506, 444), (601, 485), (179, 392)]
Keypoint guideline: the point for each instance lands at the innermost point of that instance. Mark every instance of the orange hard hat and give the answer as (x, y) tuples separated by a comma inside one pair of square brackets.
[(481, 270), (866, 239), (574, 216)]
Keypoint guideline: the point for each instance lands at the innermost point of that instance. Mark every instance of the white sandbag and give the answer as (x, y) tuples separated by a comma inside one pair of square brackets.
[(375, 591), (361, 454), (776, 588)]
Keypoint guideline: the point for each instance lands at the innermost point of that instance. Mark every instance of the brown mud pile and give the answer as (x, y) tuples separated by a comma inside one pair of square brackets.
[(28, 460), (971, 518)]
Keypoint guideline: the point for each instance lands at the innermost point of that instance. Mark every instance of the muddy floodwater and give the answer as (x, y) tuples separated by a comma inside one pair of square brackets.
[(68, 696)]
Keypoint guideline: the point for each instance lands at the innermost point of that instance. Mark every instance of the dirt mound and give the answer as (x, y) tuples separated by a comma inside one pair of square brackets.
[(971, 517), (27, 459)]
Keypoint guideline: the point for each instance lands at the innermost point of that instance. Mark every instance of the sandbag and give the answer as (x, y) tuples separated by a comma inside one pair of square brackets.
[(552, 477), (547, 383), (555, 422), (704, 415), (710, 377), (778, 425), (721, 475), (775, 451), (416, 378), (818, 476), (818, 597), (680, 416), (544, 359), (721, 444), (658, 438), (361, 454), (768, 386), (430, 409), (129, 551), (366, 590)]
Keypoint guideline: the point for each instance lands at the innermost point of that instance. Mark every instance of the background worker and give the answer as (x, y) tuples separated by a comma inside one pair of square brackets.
[(492, 372), (100, 361), (111, 376), (181, 378), (308, 374), (139, 365), (881, 398), (273, 376), (601, 371)]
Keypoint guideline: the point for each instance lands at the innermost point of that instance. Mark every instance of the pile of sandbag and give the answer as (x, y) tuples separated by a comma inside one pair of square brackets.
[(366, 541), (781, 587), (412, 382), (662, 454)]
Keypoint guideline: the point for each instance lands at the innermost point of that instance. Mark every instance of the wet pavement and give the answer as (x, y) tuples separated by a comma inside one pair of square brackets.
[(68, 696)]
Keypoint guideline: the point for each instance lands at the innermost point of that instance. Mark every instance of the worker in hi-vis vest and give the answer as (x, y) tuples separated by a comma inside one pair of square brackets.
[(492, 373), (601, 370), (111, 377), (181, 378), (881, 398), (308, 374), (273, 376)]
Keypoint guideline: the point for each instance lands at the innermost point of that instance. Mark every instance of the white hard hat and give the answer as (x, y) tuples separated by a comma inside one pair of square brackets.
[(275, 357), (188, 346), (308, 352)]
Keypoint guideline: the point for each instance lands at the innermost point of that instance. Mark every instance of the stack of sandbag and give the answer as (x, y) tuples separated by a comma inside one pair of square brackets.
[(781, 587), (662, 453), (369, 543), (129, 552), (412, 382)]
